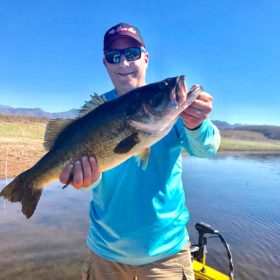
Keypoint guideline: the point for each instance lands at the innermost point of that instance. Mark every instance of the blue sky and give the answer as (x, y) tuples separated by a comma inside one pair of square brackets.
[(51, 51)]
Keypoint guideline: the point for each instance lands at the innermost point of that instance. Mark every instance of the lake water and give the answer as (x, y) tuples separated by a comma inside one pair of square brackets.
[(239, 196)]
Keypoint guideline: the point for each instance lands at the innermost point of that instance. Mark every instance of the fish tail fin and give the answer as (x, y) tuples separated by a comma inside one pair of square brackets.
[(21, 189)]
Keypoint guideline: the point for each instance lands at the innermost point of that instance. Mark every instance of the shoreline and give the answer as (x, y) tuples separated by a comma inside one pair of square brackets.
[(249, 153), (18, 159)]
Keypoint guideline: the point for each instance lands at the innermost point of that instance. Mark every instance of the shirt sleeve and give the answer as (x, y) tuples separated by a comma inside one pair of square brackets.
[(201, 142)]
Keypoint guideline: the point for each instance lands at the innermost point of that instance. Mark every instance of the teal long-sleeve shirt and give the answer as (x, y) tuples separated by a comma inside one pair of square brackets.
[(139, 216)]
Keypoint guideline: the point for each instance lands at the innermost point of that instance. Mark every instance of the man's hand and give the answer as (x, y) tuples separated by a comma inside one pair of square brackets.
[(81, 174), (198, 111)]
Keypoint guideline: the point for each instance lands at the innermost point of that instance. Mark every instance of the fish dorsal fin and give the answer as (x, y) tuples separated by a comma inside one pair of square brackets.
[(95, 101), (53, 129), (55, 126)]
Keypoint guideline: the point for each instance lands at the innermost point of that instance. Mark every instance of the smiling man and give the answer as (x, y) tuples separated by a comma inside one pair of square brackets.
[(126, 75), (138, 217)]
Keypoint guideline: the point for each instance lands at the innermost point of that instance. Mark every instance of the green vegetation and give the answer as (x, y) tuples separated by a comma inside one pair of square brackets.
[(24, 119), (21, 130), (240, 145), (249, 141), (269, 131)]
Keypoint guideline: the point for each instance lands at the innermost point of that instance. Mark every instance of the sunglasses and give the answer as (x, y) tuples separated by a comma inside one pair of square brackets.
[(131, 54)]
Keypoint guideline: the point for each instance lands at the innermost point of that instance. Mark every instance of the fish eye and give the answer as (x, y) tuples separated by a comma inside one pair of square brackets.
[(163, 85)]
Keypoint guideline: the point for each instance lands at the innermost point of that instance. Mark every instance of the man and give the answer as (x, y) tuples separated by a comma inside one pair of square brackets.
[(138, 217)]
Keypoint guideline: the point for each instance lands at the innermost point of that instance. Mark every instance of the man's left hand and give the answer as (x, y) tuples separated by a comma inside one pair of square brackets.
[(198, 111)]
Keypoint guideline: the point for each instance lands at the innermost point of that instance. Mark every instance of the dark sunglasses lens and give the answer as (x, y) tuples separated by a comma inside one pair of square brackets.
[(113, 57), (132, 54)]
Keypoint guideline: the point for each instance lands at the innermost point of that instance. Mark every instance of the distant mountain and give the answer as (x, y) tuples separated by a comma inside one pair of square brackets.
[(226, 125), (4, 107), (37, 113), (269, 131)]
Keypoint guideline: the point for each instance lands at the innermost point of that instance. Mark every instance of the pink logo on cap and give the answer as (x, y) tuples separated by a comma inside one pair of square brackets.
[(122, 29)]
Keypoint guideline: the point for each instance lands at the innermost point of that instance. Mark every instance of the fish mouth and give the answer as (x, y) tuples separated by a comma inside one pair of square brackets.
[(179, 93), (181, 89), (181, 98)]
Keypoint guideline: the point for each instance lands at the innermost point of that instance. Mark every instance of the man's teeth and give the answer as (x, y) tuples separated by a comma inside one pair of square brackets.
[(125, 74)]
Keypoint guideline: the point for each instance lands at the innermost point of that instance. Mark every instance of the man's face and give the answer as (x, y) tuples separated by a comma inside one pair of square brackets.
[(127, 75)]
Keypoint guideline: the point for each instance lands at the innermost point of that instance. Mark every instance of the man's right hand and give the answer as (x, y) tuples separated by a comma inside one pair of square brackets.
[(84, 173)]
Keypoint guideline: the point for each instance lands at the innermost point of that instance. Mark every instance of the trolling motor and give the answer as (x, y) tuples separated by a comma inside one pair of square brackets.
[(199, 251)]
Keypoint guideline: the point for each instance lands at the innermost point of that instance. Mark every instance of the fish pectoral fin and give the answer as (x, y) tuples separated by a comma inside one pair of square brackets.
[(143, 157), (53, 129), (127, 144)]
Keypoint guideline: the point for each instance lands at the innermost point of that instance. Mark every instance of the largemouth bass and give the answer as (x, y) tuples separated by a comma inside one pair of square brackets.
[(110, 131)]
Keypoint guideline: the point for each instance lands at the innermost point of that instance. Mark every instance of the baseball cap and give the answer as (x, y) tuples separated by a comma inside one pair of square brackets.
[(122, 30)]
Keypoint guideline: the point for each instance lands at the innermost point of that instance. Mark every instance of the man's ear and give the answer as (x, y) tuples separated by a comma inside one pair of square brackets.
[(104, 62), (146, 59)]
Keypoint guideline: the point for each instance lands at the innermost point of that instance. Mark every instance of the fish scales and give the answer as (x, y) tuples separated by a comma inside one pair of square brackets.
[(112, 133)]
